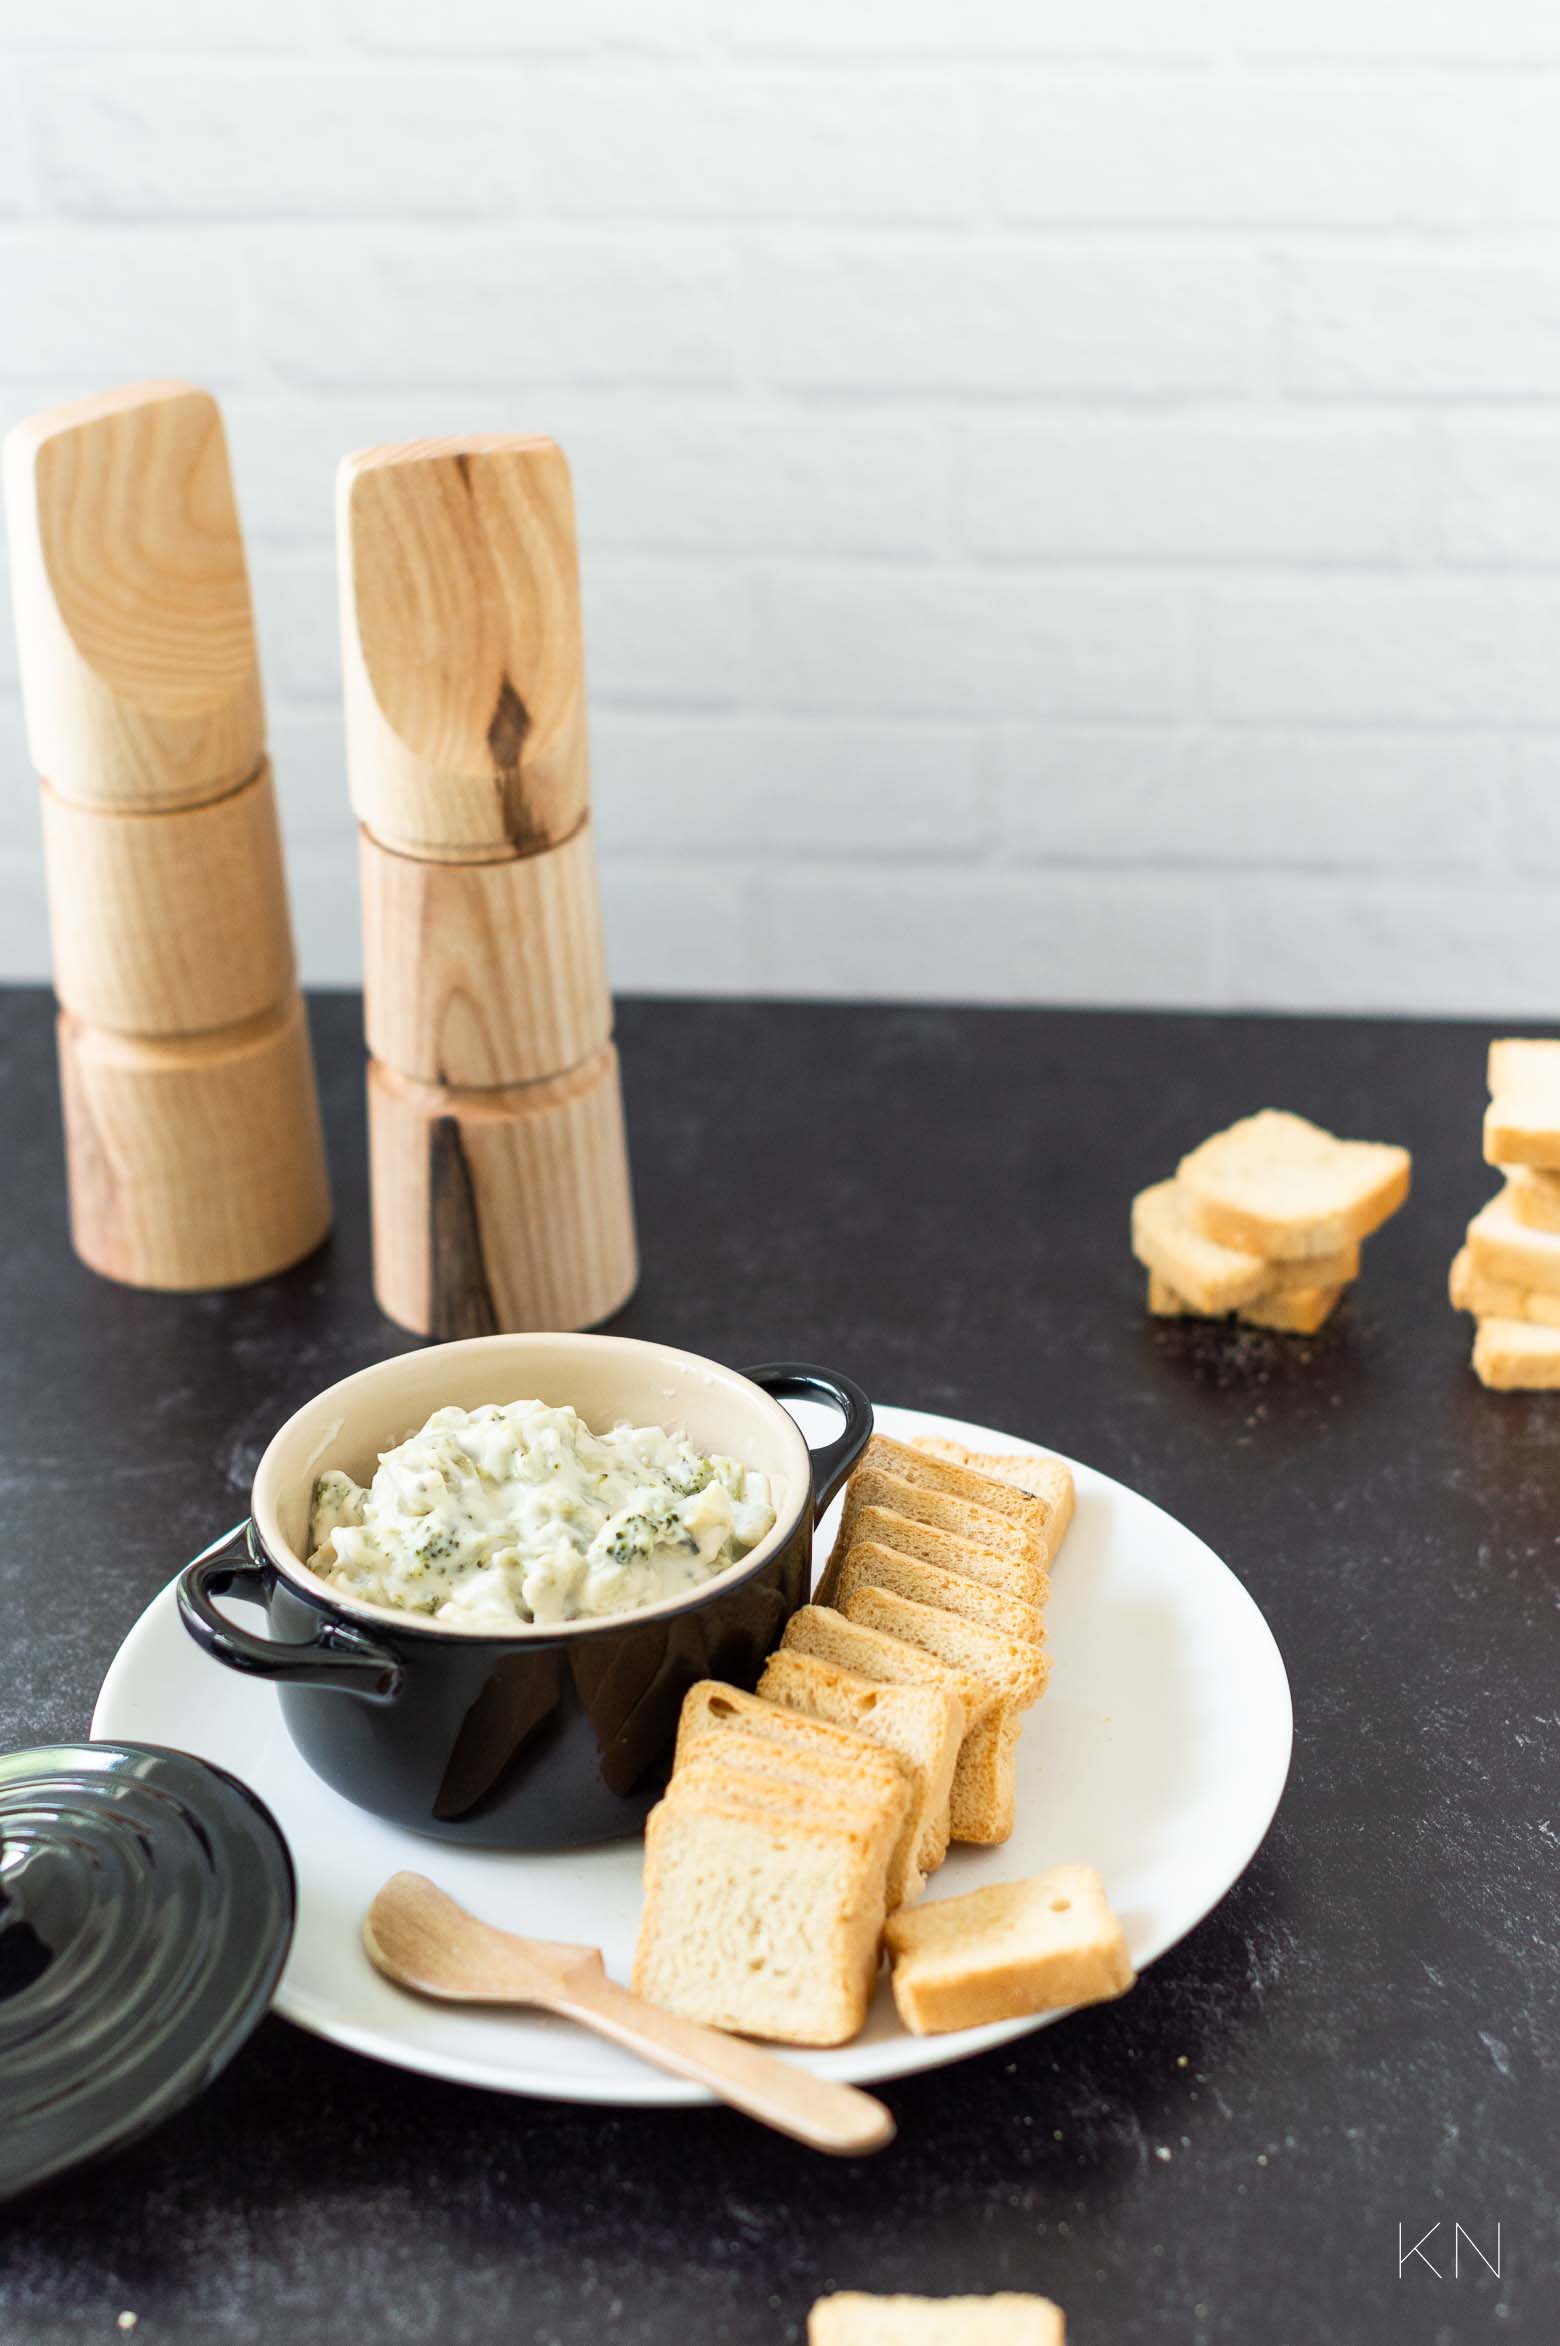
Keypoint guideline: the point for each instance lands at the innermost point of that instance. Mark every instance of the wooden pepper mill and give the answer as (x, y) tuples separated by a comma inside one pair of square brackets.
[(192, 1129), (497, 1151)]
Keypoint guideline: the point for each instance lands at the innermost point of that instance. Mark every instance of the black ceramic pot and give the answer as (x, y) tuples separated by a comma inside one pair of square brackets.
[(545, 1737)]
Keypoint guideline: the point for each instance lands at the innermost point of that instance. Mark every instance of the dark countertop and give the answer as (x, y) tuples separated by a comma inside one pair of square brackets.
[(1364, 2034)]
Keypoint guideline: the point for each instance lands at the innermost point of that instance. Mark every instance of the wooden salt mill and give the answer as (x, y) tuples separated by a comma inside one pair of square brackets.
[(497, 1151), (192, 1130)]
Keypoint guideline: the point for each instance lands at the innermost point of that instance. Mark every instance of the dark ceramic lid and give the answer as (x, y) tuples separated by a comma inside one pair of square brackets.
[(146, 1910)]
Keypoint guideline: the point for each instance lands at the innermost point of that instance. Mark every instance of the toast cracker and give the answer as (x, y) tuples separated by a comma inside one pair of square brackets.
[(872, 1565), (1214, 1278), (1007, 1949), (1502, 1247), (1522, 1121), (1048, 1478), (926, 1463), (1299, 1311), (975, 1796), (1001, 1535), (751, 1769), (1005, 1575), (1008, 2319), (984, 1783), (1498, 1299), (1515, 1356), (732, 1889), (1534, 1196), (922, 1725), (1282, 1187)]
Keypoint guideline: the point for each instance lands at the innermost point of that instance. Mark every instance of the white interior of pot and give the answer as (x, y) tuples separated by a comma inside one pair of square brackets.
[(610, 1380)]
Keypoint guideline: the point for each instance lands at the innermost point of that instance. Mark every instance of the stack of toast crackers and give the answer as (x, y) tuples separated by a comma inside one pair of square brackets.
[(1507, 1272), (1264, 1221), (802, 1819)]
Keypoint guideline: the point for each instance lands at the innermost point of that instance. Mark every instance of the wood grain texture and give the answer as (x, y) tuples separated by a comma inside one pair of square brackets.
[(133, 622), (169, 924), (498, 1210), (462, 649), (418, 1936), (198, 1162), (483, 974)]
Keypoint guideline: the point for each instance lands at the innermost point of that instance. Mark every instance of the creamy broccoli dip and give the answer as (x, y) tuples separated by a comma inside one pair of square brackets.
[(518, 1512)]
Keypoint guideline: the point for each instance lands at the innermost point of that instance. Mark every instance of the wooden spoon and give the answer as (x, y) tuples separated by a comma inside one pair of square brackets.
[(422, 1939)]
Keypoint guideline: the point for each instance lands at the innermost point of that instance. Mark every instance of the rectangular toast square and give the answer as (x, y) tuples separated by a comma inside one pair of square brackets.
[(924, 1463), (1008, 1663), (1215, 1278), (1008, 2319), (762, 1920), (769, 1771), (1007, 1949), (860, 1519), (1048, 1479), (1282, 1187), (976, 1796), (1502, 1247), (871, 1564), (1498, 1299), (1522, 1121), (1297, 1311), (1517, 1356), (1534, 1196), (923, 1726), (999, 1535)]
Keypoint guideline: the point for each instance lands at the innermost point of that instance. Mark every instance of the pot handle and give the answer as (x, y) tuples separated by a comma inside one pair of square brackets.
[(335, 1656), (796, 1380)]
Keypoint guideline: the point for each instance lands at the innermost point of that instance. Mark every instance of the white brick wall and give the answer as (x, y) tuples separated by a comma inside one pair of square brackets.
[(1070, 489)]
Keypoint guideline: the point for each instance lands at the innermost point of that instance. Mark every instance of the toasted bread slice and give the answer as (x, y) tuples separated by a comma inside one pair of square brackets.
[(762, 1919), (1499, 1299), (984, 1806), (1009, 1663), (1284, 1188), (1522, 1121), (710, 1704), (1296, 1311), (1534, 1196), (921, 1725), (1213, 1278), (955, 1551), (1517, 1356), (1510, 1062), (734, 1751), (983, 1527), (709, 1708), (925, 1464), (870, 1653), (1009, 1575), (1048, 1479), (751, 1768), (976, 1794), (1008, 2319), (872, 1565), (815, 1774), (1502, 1247), (984, 1783), (1006, 1949)]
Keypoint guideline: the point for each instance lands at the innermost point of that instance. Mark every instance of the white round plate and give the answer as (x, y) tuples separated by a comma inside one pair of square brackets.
[(1158, 1755)]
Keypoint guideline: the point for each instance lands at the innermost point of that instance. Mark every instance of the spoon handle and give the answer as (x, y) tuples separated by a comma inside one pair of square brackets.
[(815, 2110)]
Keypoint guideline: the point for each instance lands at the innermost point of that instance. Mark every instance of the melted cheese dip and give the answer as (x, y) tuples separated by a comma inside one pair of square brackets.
[(494, 1516)]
